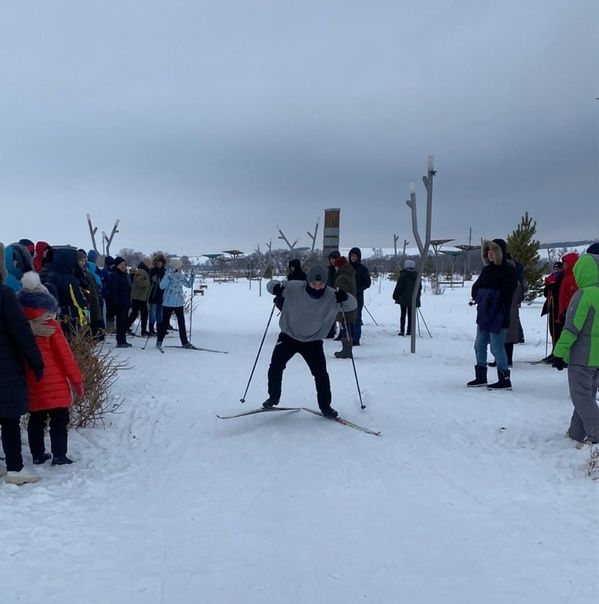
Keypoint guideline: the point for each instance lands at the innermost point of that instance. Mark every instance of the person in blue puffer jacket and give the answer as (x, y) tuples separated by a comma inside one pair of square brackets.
[(173, 283), (492, 293), (18, 261)]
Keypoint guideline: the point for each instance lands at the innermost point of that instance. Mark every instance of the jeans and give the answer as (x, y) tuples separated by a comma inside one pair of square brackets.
[(497, 343), (358, 324), (155, 314)]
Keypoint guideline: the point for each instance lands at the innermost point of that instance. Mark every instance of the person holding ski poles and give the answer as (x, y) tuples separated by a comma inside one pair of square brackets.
[(309, 309), (173, 301)]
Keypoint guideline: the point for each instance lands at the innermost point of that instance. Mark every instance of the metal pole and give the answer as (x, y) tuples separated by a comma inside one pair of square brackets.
[(258, 355), (362, 405), (366, 309), (427, 329)]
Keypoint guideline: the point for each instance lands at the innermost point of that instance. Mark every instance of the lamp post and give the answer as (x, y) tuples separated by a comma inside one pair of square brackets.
[(422, 248)]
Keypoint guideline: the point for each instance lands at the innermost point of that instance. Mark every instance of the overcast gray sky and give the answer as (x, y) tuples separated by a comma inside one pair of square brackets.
[(203, 125)]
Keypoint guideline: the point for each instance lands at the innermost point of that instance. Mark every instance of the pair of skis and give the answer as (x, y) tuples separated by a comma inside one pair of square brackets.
[(339, 420), (161, 348)]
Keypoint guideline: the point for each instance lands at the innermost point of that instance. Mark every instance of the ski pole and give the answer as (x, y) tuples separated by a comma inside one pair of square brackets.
[(146, 342), (366, 309), (191, 306), (422, 317), (242, 399), (362, 405)]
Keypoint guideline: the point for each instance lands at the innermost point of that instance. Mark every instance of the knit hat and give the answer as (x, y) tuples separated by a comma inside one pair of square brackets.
[(175, 263), (108, 261), (118, 260), (295, 264), (409, 264), (334, 254), (35, 295), (316, 273), (593, 248), (32, 283), (92, 255), (558, 265), (340, 261)]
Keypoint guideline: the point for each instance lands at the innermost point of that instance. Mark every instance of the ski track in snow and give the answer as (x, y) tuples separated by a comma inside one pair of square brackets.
[(468, 495)]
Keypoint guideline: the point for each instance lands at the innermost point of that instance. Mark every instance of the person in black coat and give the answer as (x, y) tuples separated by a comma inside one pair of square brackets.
[(17, 346), (402, 294), (295, 271), (363, 282), (492, 293), (118, 292), (156, 296), (61, 279)]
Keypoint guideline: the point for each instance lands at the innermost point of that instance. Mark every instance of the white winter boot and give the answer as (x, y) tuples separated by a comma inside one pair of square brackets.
[(23, 477)]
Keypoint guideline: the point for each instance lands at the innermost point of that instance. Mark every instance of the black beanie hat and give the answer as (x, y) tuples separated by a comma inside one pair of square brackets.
[(593, 248)]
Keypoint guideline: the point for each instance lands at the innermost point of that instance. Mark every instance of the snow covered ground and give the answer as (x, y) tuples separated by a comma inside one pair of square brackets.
[(468, 496)]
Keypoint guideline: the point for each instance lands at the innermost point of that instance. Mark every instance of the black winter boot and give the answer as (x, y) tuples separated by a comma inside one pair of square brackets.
[(503, 381), (270, 402), (329, 412), (345, 352), (480, 371)]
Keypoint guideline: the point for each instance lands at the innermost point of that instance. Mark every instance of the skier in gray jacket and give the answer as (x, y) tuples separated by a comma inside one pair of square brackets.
[(309, 310)]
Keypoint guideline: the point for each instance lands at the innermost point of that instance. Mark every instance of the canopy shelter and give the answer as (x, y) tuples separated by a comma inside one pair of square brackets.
[(466, 248), (453, 254), (233, 253), (437, 244)]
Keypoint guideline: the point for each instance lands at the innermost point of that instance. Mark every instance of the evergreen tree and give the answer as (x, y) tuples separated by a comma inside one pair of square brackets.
[(524, 248)]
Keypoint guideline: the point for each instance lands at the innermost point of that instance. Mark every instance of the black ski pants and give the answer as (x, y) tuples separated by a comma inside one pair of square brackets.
[(406, 312), (167, 311), (138, 307), (59, 422), (121, 316), (313, 353), (11, 443)]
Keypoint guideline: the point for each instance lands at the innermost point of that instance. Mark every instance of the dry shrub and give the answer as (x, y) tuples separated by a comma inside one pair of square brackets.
[(100, 371), (593, 463)]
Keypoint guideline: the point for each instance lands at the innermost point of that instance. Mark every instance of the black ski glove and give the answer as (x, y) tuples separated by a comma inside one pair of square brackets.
[(277, 290), (558, 363), (341, 296)]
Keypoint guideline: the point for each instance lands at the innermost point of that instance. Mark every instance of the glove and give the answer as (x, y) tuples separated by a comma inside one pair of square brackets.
[(78, 387), (277, 290), (558, 363), (39, 373), (341, 296)]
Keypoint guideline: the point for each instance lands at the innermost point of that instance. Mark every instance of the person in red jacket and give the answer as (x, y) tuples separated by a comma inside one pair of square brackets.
[(567, 287), (52, 395)]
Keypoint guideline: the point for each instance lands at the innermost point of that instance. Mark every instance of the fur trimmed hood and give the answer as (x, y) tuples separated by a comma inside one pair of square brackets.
[(157, 257), (500, 249)]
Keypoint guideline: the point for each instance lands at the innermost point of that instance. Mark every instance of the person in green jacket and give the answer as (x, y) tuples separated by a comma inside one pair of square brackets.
[(578, 346)]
